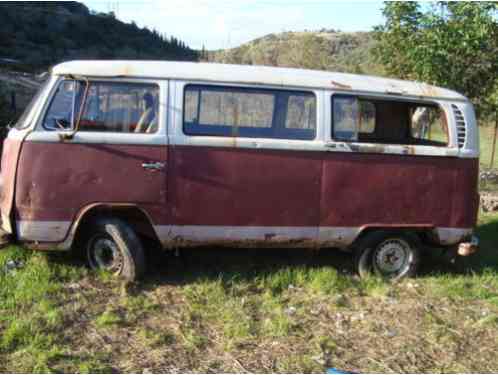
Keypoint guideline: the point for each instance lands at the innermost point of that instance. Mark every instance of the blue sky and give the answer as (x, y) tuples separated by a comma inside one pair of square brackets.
[(229, 23)]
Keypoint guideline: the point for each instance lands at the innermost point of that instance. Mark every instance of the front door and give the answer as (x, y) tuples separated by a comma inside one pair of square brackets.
[(117, 155)]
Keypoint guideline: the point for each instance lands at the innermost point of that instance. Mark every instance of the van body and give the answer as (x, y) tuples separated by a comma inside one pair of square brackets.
[(197, 153)]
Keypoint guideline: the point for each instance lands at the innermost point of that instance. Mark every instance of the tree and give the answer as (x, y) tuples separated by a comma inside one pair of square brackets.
[(451, 44)]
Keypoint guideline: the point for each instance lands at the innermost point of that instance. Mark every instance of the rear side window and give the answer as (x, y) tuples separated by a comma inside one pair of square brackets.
[(390, 122), (108, 107), (246, 112)]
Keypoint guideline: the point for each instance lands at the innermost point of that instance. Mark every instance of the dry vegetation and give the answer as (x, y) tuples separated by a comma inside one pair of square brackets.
[(326, 50)]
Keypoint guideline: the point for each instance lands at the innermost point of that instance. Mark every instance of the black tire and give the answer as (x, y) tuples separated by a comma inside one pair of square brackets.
[(391, 255), (112, 245)]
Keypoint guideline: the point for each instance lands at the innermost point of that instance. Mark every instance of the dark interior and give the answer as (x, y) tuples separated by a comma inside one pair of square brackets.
[(393, 124)]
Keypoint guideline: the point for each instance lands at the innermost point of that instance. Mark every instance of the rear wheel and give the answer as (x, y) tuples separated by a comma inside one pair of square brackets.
[(388, 254), (113, 246)]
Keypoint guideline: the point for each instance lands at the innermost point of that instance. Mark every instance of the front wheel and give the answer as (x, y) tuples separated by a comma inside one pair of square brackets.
[(389, 255), (113, 246)]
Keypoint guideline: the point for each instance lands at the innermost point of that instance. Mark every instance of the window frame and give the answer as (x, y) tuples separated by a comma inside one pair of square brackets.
[(379, 98), (160, 85), (53, 94), (277, 130), (120, 82)]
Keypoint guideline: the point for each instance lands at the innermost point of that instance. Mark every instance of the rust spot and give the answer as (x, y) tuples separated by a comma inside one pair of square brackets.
[(341, 85), (368, 148)]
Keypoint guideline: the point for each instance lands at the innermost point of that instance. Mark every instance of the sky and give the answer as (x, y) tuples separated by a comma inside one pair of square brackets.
[(228, 23)]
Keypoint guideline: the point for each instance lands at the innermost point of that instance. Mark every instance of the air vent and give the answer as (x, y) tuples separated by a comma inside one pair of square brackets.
[(460, 125)]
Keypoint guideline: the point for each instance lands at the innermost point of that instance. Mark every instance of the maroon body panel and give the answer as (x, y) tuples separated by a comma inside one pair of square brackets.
[(368, 189), (223, 186), (216, 186), (244, 187), (56, 180)]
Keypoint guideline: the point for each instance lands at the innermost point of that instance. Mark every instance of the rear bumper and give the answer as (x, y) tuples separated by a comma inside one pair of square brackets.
[(468, 247)]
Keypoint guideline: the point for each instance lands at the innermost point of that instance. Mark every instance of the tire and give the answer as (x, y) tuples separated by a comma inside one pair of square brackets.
[(112, 245), (391, 255)]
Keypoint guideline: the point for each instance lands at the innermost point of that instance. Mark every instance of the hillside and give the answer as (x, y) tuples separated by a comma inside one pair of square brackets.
[(324, 49), (39, 34)]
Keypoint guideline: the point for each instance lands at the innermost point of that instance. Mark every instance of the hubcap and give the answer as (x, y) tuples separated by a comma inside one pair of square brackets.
[(103, 253), (392, 257)]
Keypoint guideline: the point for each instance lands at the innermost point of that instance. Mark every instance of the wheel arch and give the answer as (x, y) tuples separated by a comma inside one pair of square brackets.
[(423, 233), (132, 214)]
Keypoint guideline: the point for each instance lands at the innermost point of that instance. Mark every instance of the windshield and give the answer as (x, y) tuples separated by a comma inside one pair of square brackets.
[(23, 122)]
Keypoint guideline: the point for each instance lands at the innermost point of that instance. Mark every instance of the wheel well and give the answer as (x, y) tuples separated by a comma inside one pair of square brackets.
[(132, 215), (423, 234)]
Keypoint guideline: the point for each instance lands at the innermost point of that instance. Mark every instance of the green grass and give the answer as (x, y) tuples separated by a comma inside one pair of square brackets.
[(486, 144)]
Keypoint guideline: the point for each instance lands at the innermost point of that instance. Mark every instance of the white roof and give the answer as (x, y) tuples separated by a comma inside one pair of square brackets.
[(252, 74)]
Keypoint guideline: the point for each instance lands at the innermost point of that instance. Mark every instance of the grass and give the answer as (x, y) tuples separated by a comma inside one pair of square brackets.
[(225, 311), (486, 144)]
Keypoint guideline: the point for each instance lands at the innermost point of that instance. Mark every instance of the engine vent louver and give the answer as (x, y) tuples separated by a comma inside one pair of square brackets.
[(460, 125)]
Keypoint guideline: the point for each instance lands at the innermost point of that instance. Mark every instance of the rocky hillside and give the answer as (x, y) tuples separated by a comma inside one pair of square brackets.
[(324, 49)]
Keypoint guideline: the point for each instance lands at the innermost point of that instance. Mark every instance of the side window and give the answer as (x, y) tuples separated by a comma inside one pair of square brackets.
[(236, 109), (247, 112), (121, 108), (428, 125), (387, 121), (65, 106), (301, 112)]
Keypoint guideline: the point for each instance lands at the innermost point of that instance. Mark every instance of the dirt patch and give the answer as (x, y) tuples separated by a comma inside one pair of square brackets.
[(395, 332)]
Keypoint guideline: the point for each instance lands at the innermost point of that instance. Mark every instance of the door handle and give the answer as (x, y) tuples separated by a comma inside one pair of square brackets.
[(155, 166)]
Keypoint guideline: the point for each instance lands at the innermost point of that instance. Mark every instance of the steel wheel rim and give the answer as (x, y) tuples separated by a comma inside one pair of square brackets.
[(392, 257), (104, 254)]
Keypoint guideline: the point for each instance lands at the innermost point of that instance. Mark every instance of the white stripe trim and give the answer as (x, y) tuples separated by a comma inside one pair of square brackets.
[(42, 231), (56, 231)]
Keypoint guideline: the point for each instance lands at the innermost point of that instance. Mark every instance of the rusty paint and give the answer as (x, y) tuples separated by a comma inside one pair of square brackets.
[(93, 173), (369, 148), (340, 85), (282, 243), (221, 186), (249, 187), (10, 156), (358, 189)]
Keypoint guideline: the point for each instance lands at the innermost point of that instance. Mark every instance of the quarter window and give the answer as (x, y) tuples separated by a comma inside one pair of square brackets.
[(246, 112), (65, 106), (428, 125)]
